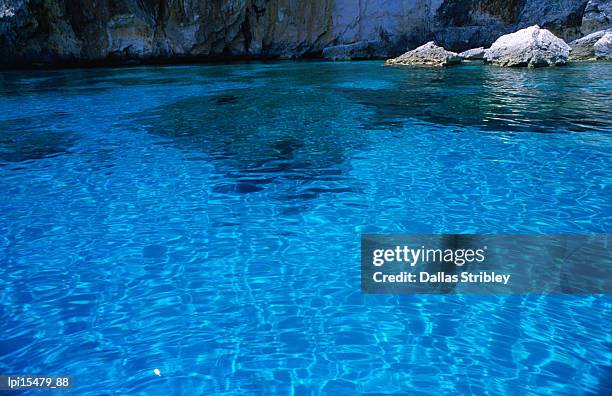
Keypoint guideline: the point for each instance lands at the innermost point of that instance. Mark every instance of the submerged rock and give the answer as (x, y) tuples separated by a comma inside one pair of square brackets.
[(532, 47), (473, 54), (603, 47), (584, 48), (428, 55)]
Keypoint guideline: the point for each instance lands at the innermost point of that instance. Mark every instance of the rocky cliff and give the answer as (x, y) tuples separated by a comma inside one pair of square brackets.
[(102, 31)]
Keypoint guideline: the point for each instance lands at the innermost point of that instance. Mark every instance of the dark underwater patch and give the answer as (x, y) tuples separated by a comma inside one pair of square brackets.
[(33, 138), (269, 136), (239, 188), (225, 99), (153, 251)]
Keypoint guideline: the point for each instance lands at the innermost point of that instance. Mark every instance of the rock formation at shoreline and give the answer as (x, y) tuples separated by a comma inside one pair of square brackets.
[(428, 54), (473, 54), (532, 47), (64, 32), (603, 47), (584, 48)]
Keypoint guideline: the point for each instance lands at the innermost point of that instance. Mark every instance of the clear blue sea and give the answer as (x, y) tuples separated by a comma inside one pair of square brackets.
[(205, 220)]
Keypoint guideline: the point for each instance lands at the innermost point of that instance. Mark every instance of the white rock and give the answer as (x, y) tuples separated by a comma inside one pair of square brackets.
[(428, 55), (532, 46), (473, 54), (584, 48), (603, 47)]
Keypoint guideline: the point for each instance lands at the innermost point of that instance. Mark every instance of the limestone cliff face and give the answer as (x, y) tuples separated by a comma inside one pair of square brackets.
[(597, 16), (76, 31), (472, 23)]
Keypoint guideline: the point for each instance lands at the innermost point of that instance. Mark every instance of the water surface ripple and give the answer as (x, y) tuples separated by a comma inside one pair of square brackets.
[(205, 220)]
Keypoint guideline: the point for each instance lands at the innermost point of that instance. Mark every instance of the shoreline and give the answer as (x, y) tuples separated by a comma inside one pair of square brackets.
[(240, 61), (174, 62)]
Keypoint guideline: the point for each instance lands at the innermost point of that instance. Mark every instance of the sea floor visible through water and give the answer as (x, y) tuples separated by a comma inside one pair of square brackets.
[(205, 220)]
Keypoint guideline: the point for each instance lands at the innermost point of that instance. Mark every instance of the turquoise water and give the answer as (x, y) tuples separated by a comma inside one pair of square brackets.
[(205, 220)]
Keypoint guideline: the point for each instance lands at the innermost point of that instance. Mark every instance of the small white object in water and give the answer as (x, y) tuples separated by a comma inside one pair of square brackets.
[(157, 372)]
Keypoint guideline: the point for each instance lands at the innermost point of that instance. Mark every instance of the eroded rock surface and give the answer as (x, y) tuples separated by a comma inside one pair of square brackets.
[(603, 47), (597, 16), (465, 24), (473, 54), (532, 47), (359, 50), (584, 48), (103, 31), (64, 31), (427, 55)]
